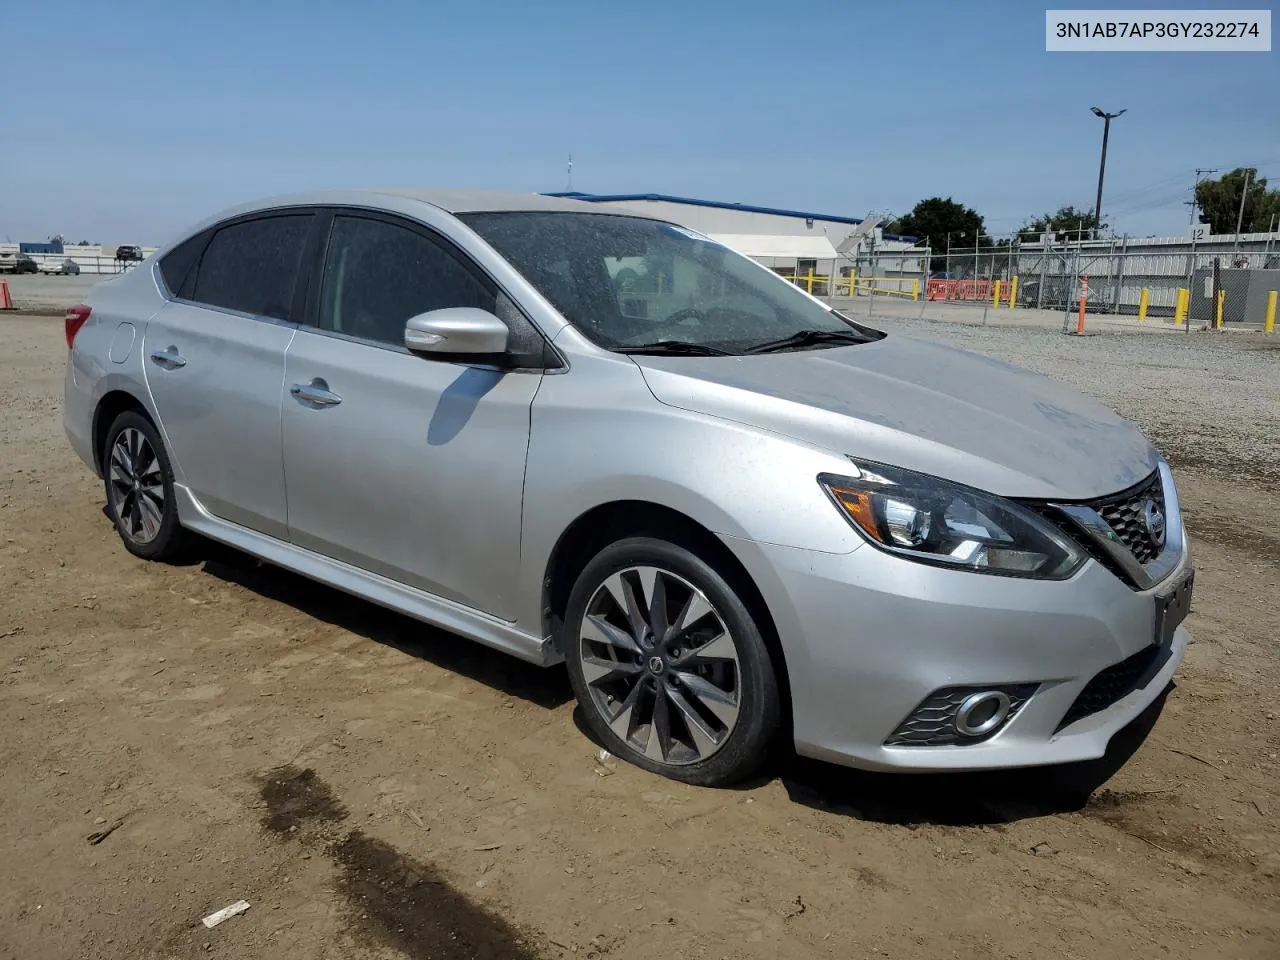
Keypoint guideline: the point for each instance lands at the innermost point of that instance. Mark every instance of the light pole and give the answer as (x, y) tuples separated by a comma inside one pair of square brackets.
[(1102, 164)]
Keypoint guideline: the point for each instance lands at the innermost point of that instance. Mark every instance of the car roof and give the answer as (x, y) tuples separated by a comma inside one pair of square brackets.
[(449, 200), (402, 200)]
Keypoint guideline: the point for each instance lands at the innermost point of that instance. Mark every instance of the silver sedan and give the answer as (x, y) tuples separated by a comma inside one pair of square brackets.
[(603, 439)]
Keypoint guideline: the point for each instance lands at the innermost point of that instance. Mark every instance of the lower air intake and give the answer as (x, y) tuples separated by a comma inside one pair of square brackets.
[(933, 722), (1114, 684)]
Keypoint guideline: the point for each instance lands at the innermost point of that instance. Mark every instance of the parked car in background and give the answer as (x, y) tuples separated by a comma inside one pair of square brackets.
[(128, 253), (732, 513), (66, 267), (17, 263)]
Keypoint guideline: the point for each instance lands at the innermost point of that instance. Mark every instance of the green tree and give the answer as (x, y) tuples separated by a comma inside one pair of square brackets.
[(1219, 201), (1067, 224), (933, 219)]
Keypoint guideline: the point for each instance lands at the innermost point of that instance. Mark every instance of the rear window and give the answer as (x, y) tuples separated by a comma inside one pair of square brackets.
[(177, 264), (252, 266)]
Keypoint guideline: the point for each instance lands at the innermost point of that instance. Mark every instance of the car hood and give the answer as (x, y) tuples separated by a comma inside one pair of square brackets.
[(922, 406)]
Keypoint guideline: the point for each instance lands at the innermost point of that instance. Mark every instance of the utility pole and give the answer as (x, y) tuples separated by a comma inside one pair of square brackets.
[(569, 188), (1102, 164), (1235, 247), (1195, 204)]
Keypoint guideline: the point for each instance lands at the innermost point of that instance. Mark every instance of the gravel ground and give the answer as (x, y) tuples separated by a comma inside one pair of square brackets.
[(1209, 400)]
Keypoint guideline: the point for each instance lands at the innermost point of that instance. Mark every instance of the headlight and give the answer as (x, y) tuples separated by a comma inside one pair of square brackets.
[(934, 521)]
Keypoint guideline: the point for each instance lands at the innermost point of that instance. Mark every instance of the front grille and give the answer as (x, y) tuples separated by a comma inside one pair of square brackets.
[(933, 722), (1125, 513), (1112, 685)]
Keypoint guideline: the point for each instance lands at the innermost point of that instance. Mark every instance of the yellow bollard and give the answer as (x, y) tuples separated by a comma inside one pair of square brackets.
[(1180, 305), (995, 295), (809, 280), (1217, 317), (1269, 324), (1013, 292), (1144, 301), (915, 289)]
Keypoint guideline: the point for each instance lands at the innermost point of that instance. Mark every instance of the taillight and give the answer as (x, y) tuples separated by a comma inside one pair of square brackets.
[(74, 320)]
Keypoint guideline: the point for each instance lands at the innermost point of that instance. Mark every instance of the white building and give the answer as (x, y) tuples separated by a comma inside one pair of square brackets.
[(795, 243)]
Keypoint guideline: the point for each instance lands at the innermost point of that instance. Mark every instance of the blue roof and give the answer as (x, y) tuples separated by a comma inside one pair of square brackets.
[(718, 204)]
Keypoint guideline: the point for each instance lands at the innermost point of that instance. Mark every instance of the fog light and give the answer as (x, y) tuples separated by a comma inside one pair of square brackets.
[(980, 713)]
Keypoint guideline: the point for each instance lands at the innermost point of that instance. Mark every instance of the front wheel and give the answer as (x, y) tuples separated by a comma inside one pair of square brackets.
[(668, 664)]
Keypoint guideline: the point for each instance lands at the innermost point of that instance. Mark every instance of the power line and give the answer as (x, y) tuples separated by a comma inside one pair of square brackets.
[(1195, 189)]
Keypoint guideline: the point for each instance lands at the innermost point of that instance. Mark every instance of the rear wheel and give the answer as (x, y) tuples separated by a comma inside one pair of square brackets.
[(668, 664), (139, 486)]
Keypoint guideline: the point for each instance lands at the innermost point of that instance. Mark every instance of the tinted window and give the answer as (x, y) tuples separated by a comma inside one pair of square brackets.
[(176, 265), (253, 266), (377, 275)]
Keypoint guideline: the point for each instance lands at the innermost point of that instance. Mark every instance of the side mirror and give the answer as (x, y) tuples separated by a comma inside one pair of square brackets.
[(454, 330)]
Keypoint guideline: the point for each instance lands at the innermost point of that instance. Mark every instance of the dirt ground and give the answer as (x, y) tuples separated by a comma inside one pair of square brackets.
[(377, 789)]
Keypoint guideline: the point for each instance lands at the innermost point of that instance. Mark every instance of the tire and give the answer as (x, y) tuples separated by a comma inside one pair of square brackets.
[(144, 513), (704, 674)]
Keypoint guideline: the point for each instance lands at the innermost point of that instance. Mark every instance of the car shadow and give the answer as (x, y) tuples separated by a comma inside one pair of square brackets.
[(548, 688), (964, 799), (979, 799)]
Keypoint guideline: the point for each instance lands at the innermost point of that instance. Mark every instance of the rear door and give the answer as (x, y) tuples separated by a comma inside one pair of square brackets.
[(214, 360), (403, 465)]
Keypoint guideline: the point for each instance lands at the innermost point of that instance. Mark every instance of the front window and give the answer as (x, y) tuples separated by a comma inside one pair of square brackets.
[(632, 284)]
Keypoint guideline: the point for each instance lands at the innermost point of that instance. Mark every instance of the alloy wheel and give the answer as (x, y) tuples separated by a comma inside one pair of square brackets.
[(137, 486), (660, 665)]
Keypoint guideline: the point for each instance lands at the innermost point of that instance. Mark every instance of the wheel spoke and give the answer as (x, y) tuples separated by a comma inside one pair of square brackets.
[(598, 671), (704, 741), (717, 650), (120, 458), (130, 513), (151, 474), (653, 600), (658, 745), (623, 721), (624, 595), (695, 608), (721, 703), (151, 517), (599, 630)]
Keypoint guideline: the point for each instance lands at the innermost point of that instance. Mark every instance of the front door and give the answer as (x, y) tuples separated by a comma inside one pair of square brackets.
[(215, 366), (405, 466)]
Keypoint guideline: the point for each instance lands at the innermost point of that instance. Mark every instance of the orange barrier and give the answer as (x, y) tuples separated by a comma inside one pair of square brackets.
[(6, 301), (939, 289)]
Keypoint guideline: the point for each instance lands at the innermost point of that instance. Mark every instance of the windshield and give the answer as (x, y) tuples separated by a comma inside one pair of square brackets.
[(629, 283)]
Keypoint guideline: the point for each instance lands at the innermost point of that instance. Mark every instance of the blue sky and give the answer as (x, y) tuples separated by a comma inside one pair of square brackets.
[(124, 122)]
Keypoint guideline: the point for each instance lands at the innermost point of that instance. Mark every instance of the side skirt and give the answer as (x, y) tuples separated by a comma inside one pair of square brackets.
[(446, 614)]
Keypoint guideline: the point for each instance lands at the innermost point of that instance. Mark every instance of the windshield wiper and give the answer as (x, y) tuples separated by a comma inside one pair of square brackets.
[(673, 348), (807, 338)]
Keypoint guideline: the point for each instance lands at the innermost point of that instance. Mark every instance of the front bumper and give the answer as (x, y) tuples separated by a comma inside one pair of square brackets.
[(867, 636)]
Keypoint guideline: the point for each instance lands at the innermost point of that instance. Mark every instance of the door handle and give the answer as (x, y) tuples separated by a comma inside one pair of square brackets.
[(317, 391), (169, 358)]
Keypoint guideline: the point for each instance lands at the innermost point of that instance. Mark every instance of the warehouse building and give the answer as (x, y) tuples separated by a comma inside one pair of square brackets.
[(809, 248)]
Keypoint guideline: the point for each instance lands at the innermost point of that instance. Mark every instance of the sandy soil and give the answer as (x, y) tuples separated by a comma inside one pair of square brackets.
[(378, 789)]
